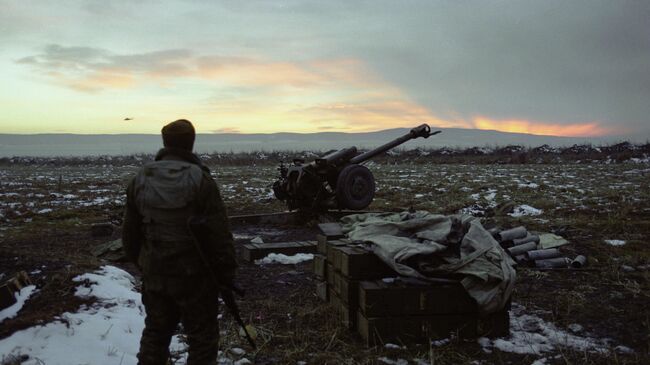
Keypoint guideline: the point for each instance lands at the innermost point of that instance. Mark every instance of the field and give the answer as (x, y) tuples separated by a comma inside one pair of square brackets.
[(600, 312)]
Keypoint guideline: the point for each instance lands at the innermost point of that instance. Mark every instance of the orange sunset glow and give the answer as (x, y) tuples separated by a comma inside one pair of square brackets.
[(548, 129)]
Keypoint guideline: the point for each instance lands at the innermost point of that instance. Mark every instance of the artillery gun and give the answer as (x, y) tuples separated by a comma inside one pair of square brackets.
[(337, 180)]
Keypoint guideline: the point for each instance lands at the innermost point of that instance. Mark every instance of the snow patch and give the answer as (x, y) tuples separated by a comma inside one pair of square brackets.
[(438, 343), (640, 160), (474, 210), (530, 334), (21, 298), (284, 259), (623, 349), (237, 351), (107, 332), (525, 210), (529, 185), (615, 242)]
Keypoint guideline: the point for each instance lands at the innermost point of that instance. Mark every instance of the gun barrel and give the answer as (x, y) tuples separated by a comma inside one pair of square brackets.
[(420, 131), (337, 156)]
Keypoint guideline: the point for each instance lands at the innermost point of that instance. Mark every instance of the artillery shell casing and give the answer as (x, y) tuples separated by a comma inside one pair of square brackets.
[(579, 261), (558, 262), (521, 241), (520, 259), (521, 249), (550, 253), (511, 234)]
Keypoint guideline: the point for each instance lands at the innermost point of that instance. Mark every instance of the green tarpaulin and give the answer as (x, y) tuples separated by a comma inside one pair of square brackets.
[(422, 245)]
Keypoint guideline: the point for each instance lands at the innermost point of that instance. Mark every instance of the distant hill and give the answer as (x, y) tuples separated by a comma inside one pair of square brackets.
[(126, 144)]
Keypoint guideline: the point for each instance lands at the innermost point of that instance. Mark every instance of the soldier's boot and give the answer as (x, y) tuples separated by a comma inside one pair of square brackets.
[(201, 326), (159, 327)]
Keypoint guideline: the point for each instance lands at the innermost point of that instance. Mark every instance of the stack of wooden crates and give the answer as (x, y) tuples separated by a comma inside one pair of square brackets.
[(372, 299)]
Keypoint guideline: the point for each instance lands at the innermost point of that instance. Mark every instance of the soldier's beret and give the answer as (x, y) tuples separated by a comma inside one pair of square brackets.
[(181, 126), (179, 134)]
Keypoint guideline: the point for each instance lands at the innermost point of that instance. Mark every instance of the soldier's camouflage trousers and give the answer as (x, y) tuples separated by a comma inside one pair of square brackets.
[(196, 307)]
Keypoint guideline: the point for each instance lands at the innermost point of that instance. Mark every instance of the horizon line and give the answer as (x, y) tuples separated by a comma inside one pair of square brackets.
[(309, 133)]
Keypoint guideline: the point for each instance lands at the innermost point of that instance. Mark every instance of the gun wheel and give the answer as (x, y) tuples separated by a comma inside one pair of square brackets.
[(355, 187)]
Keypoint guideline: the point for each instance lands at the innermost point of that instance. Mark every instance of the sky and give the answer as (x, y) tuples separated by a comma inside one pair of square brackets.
[(554, 67)]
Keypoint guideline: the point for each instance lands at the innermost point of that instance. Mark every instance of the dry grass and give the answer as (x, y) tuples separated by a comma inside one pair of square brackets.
[(585, 203)]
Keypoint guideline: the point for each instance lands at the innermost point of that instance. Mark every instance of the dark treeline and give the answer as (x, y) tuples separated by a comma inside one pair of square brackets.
[(513, 154)]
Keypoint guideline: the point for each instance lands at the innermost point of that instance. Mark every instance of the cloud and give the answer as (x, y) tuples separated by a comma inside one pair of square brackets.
[(555, 61), (59, 57), (471, 74), (90, 69), (341, 91), (248, 72), (227, 130), (326, 128), (383, 113), (100, 79)]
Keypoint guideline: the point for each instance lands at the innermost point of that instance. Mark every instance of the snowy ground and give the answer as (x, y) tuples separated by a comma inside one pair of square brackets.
[(30, 193), (529, 334), (602, 209), (106, 333)]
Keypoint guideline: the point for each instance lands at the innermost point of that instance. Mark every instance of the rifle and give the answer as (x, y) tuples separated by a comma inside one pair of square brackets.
[(198, 226)]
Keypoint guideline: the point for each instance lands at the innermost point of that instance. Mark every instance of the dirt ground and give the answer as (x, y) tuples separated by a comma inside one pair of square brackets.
[(585, 204)]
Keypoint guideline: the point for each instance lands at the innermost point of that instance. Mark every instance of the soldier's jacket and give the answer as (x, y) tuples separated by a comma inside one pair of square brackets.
[(160, 199)]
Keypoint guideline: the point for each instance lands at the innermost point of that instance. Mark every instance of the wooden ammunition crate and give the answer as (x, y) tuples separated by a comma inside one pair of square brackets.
[(255, 251), (321, 290), (421, 329), (331, 250), (329, 273), (346, 313), (321, 244), (344, 297), (400, 309), (346, 289), (413, 297), (358, 263), (320, 266)]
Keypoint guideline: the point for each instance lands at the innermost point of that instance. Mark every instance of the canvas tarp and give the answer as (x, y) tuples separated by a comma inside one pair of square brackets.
[(550, 240), (423, 245)]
